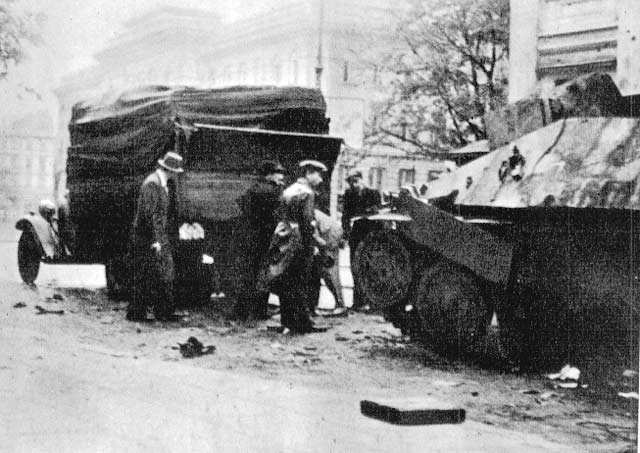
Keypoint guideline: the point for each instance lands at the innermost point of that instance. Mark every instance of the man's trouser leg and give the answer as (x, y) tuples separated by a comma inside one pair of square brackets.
[(137, 308), (294, 303), (331, 277), (164, 300), (357, 296), (164, 303)]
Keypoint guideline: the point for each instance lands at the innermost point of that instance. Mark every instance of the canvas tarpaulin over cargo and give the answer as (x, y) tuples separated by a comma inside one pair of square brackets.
[(126, 133)]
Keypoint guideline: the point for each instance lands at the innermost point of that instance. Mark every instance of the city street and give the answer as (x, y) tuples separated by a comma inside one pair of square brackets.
[(87, 380)]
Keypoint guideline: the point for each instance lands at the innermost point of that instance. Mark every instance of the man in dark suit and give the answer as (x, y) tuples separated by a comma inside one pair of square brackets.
[(358, 200), (259, 208), (152, 252), (289, 265)]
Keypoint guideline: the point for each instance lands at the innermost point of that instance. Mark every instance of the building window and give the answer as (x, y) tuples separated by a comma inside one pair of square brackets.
[(376, 176), (433, 175), (406, 176)]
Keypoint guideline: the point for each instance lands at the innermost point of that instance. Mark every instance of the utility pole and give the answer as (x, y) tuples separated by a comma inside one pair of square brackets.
[(319, 67)]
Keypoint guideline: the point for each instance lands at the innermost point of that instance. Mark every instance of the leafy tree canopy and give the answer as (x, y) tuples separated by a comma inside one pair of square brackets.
[(450, 68), (16, 28)]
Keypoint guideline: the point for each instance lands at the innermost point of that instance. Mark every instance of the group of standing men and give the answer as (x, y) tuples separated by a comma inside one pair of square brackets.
[(286, 251), (284, 246)]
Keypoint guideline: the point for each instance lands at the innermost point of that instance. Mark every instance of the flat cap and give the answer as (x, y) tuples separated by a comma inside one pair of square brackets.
[(312, 163)]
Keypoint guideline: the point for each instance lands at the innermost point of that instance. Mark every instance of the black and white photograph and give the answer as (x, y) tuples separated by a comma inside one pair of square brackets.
[(319, 226)]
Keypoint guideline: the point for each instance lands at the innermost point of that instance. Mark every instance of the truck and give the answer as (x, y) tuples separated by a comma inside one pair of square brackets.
[(223, 136)]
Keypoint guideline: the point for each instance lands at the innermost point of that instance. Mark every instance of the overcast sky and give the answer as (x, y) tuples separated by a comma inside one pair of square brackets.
[(75, 29)]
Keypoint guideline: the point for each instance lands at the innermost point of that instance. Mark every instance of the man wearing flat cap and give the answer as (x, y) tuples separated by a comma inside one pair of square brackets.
[(152, 252), (358, 200), (288, 269), (259, 205)]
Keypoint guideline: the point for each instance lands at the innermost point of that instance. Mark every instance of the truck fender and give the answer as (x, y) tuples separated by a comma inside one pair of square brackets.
[(41, 231), (463, 243)]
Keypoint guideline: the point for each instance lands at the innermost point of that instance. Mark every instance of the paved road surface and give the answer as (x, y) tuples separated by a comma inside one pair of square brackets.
[(65, 393), (62, 395)]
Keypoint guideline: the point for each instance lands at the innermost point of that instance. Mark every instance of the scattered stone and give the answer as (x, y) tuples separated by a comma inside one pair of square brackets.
[(412, 412), (447, 383), (57, 296), (628, 395), (567, 372), (44, 311), (357, 332), (303, 353), (19, 305), (475, 393), (630, 374), (530, 392), (548, 395), (341, 338), (310, 348)]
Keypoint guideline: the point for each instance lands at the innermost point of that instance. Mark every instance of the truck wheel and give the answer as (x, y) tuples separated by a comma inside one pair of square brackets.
[(454, 316), (383, 269), (29, 255), (116, 278)]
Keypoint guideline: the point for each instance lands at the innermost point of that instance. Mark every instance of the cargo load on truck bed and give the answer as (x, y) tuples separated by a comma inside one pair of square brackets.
[(223, 135)]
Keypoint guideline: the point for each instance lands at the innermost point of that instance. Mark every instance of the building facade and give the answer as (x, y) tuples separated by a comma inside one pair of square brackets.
[(388, 169), (552, 41), (328, 44), (309, 43)]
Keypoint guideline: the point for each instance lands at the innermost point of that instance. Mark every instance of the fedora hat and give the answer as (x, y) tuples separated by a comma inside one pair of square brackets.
[(171, 162)]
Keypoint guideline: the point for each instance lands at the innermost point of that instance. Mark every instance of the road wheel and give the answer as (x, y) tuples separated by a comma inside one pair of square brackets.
[(29, 255), (453, 314), (383, 269)]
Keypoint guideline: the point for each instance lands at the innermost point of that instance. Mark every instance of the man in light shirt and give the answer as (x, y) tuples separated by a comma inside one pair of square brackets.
[(153, 271)]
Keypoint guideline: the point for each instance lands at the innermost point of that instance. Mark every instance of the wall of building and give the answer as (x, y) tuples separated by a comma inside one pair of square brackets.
[(552, 41), (27, 174), (388, 169)]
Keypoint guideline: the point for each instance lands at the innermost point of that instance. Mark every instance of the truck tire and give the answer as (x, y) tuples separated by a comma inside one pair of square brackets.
[(29, 255), (116, 276), (383, 269), (453, 314)]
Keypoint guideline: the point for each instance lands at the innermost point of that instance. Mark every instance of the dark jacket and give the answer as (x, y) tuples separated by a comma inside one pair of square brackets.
[(260, 205), (292, 244), (151, 224), (357, 203)]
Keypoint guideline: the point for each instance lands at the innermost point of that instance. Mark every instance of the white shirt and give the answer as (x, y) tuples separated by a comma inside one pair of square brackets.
[(163, 180)]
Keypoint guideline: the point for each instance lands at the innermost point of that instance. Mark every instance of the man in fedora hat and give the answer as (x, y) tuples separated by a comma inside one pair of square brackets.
[(358, 200), (259, 205), (289, 265), (152, 229)]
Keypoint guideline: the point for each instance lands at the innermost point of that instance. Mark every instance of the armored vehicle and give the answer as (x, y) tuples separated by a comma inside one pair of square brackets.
[(554, 255)]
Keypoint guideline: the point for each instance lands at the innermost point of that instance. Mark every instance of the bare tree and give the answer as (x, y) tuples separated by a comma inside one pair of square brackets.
[(449, 71), (16, 29)]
